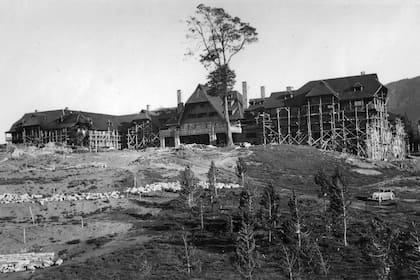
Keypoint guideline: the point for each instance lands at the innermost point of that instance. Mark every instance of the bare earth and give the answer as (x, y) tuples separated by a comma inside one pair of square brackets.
[(80, 230)]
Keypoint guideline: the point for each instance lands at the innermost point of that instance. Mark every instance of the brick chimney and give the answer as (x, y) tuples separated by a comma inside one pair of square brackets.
[(262, 91), (180, 105), (244, 94)]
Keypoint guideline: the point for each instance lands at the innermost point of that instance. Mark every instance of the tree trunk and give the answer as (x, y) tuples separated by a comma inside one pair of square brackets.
[(187, 255), (201, 215), (228, 130), (298, 231), (344, 217), (270, 218)]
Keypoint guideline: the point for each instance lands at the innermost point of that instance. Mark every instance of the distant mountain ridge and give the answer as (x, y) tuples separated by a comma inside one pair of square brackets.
[(404, 98)]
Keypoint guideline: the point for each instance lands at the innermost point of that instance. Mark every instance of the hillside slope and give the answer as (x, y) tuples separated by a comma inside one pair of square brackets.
[(404, 98)]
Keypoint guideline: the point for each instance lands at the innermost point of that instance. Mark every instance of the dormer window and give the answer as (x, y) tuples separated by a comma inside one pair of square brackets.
[(357, 87)]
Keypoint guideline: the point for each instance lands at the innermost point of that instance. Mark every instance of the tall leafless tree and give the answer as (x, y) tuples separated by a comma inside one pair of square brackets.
[(217, 37)]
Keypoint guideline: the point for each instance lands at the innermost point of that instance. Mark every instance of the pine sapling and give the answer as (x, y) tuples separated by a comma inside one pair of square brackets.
[(269, 210), (201, 214), (289, 261), (241, 171), (247, 196), (212, 177), (296, 218), (322, 261), (414, 249), (384, 249), (246, 253), (189, 186), (322, 180)]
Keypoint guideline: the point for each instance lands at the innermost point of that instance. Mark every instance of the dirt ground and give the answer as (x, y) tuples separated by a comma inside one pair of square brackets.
[(91, 234), (57, 225)]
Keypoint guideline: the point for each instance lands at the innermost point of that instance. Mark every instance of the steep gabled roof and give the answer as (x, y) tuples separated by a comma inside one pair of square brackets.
[(343, 88), (201, 94)]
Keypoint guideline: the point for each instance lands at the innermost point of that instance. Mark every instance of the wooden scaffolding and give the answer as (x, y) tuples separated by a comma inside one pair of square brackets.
[(104, 140), (356, 127), (142, 135), (35, 136)]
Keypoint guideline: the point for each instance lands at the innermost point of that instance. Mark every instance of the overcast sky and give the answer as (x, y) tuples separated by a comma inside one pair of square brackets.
[(116, 56)]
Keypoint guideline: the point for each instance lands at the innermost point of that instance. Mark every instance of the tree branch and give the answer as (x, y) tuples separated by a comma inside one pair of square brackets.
[(237, 50)]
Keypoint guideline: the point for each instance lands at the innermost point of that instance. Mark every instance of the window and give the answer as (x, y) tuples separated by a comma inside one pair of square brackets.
[(358, 103), (357, 87)]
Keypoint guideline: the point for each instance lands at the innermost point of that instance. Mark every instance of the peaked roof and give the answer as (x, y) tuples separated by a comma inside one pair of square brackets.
[(201, 95), (58, 119), (344, 88), (277, 99)]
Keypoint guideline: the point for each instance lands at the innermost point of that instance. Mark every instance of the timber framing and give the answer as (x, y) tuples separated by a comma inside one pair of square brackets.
[(351, 119)]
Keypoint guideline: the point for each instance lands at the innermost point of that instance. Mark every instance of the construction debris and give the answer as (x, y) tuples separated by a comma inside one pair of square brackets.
[(7, 198), (27, 261), (87, 165), (175, 186)]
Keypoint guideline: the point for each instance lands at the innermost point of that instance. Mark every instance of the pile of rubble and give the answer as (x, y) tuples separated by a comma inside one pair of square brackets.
[(86, 165), (27, 261), (175, 186), (21, 198), (205, 185), (7, 198), (81, 196)]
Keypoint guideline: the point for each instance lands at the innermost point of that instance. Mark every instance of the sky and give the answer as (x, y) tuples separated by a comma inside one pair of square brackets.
[(117, 56)]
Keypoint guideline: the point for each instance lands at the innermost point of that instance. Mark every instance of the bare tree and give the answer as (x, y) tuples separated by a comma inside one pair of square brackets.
[(217, 38), (339, 201), (189, 256)]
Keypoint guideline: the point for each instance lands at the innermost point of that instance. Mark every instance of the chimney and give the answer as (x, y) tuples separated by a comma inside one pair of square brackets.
[(244, 95), (262, 91), (180, 105), (289, 88), (179, 96), (362, 73), (148, 108)]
